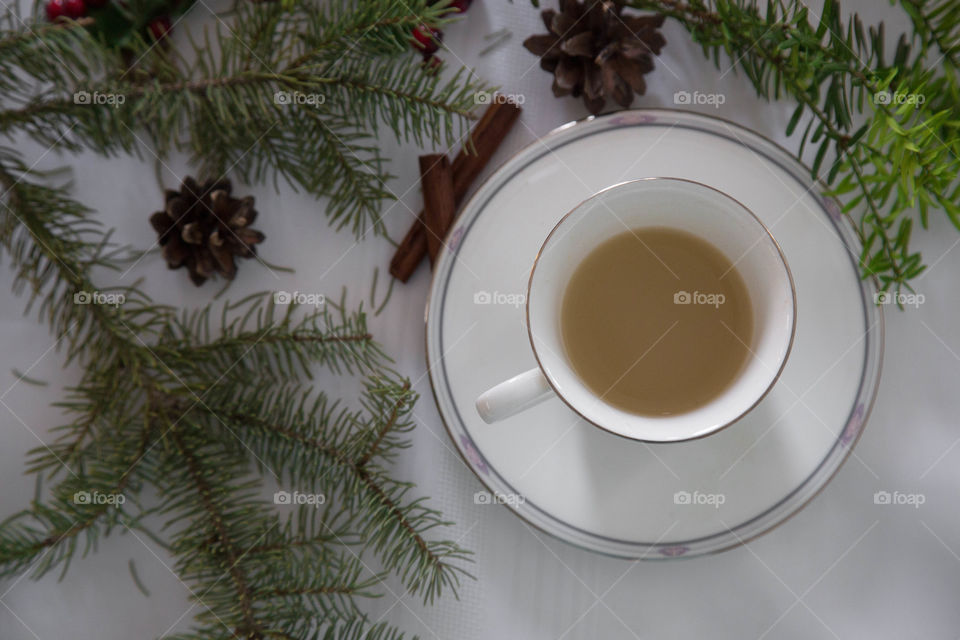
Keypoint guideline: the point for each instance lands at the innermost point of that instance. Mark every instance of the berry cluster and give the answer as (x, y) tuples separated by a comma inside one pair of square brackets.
[(427, 40), (70, 8)]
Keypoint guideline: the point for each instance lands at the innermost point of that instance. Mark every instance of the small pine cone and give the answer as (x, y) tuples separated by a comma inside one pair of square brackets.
[(203, 228)]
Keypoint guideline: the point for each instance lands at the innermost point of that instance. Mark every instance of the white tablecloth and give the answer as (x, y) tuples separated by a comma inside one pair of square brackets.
[(843, 567)]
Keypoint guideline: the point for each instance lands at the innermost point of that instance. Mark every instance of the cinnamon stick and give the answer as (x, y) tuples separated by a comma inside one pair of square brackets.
[(484, 140), (439, 206)]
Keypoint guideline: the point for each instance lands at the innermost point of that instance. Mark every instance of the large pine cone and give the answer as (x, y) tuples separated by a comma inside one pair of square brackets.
[(597, 52)]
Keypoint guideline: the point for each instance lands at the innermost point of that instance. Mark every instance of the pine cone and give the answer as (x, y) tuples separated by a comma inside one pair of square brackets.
[(203, 228), (596, 52)]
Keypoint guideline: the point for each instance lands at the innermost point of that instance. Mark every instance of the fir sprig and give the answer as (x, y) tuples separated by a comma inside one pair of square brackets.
[(190, 404), (885, 127), (215, 408), (294, 94)]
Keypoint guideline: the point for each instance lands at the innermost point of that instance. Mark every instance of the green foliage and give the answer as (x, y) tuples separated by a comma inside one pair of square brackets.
[(212, 409), (277, 93), (885, 124), (190, 404)]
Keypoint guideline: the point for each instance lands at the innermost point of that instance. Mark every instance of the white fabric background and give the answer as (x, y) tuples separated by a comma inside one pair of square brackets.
[(842, 568)]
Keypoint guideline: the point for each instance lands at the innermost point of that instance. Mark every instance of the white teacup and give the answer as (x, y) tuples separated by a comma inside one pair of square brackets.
[(652, 202)]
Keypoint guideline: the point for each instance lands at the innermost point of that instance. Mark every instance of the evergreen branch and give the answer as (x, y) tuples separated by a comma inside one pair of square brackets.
[(335, 452), (44, 536), (225, 546), (903, 156), (53, 246), (326, 588), (163, 397), (224, 108), (200, 466), (307, 533), (376, 29), (161, 388), (13, 39), (264, 342), (47, 53), (402, 96), (937, 23), (386, 426), (355, 628), (350, 161), (109, 389)]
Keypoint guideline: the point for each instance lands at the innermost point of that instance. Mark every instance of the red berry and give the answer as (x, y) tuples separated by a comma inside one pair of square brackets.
[(460, 6), (426, 39), (160, 27), (75, 8), (55, 9)]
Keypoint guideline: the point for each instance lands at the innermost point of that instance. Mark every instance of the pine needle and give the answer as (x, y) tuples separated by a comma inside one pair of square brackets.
[(136, 579), (499, 37), (22, 377)]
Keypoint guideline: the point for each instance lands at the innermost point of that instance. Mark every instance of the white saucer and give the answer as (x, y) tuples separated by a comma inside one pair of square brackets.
[(607, 493)]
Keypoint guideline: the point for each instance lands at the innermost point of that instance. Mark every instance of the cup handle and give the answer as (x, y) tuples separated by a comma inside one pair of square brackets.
[(513, 396)]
